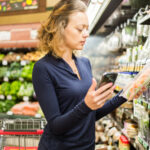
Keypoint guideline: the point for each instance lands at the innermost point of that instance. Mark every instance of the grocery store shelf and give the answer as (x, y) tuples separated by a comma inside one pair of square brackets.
[(107, 8), (130, 115), (145, 20), (119, 126)]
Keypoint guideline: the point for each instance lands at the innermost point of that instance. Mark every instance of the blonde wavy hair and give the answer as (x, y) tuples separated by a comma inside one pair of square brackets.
[(50, 34)]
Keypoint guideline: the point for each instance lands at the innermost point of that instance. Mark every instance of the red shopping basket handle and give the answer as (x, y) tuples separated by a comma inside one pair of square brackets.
[(37, 132), (20, 148)]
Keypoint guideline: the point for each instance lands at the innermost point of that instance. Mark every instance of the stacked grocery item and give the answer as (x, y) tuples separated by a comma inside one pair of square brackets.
[(107, 134)]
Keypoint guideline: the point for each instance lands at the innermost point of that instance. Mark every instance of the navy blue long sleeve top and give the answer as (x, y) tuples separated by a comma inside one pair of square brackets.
[(70, 122)]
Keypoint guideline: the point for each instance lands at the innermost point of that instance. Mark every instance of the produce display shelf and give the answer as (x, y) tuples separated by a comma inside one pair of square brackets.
[(5, 116), (145, 20)]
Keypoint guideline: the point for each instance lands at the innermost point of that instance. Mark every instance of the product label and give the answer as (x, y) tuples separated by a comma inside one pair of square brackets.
[(23, 63), (4, 63), (6, 79), (2, 97), (9, 97), (26, 98), (18, 57), (21, 79)]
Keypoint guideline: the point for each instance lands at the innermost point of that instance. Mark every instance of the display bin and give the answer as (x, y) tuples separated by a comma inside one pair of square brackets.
[(21, 134)]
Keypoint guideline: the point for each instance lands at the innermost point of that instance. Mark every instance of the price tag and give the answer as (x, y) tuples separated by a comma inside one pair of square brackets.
[(18, 58), (38, 116), (21, 79), (23, 63), (9, 97), (4, 63), (9, 113), (26, 98), (6, 79), (2, 97)]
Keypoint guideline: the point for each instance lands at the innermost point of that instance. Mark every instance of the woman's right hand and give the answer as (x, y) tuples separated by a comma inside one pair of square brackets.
[(95, 99)]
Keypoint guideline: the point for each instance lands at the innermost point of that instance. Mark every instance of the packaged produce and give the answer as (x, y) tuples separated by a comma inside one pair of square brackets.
[(141, 80), (131, 128), (123, 143), (26, 108), (144, 123)]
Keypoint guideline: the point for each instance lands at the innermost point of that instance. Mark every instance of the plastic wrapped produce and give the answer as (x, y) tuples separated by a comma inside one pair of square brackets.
[(140, 81)]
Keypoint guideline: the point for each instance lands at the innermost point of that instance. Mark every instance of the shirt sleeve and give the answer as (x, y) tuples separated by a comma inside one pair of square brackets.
[(46, 95), (109, 106)]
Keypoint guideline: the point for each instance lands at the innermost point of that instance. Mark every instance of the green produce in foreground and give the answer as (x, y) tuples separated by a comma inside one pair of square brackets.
[(15, 86), (6, 105), (5, 88), (27, 71)]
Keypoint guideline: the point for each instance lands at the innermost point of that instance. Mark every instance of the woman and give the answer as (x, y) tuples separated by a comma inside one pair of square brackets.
[(63, 82)]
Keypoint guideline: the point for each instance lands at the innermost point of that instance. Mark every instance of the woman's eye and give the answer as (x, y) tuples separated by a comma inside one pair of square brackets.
[(80, 30)]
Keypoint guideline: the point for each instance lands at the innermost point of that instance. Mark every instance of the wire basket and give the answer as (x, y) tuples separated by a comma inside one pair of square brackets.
[(21, 134), (22, 124)]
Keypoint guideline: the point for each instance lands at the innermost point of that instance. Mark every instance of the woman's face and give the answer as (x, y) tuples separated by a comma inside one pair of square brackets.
[(76, 32)]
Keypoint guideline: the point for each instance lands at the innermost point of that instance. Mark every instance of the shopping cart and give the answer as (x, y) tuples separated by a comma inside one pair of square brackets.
[(20, 134)]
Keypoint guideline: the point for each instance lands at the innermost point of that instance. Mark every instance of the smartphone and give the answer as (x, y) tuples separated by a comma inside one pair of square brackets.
[(108, 77)]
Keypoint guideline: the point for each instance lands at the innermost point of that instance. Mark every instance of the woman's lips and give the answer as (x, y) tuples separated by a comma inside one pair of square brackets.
[(82, 42)]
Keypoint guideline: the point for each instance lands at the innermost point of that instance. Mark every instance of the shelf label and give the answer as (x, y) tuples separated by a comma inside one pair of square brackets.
[(23, 63), (4, 63), (18, 58), (21, 79), (26, 98), (9, 97), (145, 144), (2, 97), (6, 79)]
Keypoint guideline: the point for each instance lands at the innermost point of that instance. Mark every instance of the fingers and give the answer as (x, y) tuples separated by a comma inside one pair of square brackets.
[(103, 88), (138, 94), (100, 103), (105, 94), (93, 85)]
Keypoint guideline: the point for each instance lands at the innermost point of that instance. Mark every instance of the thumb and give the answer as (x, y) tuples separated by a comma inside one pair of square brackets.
[(93, 85)]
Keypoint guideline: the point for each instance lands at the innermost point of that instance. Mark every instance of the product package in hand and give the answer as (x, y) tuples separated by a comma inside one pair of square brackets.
[(140, 82)]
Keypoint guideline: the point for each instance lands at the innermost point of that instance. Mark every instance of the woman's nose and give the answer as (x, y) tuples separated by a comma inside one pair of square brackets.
[(85, 33)]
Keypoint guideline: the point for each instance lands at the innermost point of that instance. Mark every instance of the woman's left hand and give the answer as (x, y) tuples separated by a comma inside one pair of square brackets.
[(138, 94)]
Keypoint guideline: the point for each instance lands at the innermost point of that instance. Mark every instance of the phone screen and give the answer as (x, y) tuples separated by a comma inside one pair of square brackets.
[(108, 77)]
